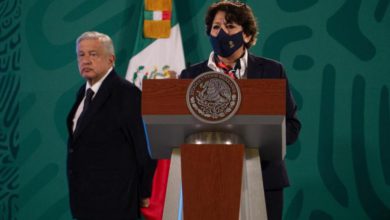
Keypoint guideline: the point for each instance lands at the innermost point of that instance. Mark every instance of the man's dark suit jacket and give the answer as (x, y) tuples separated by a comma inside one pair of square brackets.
[(274, 172), (108, 164)]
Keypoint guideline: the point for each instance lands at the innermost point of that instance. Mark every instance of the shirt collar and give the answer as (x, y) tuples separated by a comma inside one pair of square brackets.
[(240, 73), (95, 88)]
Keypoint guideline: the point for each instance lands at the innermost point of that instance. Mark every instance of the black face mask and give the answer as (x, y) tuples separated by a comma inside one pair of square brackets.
[(225, 45)]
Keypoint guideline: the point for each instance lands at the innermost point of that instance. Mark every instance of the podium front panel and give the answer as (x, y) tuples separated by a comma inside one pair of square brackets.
[(263, 132)]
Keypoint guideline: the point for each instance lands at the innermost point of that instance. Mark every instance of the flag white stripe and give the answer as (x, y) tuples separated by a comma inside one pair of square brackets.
[(160, 53)]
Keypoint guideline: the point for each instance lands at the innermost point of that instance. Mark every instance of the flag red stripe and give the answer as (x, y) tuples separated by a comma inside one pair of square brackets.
[(160, 179)]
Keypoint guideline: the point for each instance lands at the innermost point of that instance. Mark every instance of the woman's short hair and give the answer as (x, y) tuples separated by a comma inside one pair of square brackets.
[(237, 12)]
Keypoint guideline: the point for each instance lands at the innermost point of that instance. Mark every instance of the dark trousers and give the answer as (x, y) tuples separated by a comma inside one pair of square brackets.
[(274, 204)]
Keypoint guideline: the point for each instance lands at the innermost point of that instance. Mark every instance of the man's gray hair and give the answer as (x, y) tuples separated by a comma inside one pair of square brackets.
[(103, 38)]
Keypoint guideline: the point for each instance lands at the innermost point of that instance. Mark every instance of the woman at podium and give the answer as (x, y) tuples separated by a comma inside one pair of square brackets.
[(232, 30)]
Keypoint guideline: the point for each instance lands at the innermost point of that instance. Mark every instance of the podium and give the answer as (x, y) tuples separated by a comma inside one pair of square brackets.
[(216, 167)]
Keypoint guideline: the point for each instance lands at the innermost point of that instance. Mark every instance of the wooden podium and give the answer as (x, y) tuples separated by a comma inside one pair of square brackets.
[(217, 179)]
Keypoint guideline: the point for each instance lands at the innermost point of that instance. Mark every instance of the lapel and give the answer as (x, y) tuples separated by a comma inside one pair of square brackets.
[(69, 120), (202, 68), (255, 67), (100, 98), (206, 68)]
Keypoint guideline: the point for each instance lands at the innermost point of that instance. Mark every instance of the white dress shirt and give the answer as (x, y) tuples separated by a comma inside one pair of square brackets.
[(95, 88)]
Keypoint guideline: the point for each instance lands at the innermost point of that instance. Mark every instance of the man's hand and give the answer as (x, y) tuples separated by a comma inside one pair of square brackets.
[(145, 202)]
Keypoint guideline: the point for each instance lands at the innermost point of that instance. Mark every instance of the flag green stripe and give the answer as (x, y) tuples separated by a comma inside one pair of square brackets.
[(148, 15)]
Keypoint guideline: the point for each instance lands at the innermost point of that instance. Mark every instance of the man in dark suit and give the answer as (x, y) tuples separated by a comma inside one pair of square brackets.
[(232, 29), (109, 168)]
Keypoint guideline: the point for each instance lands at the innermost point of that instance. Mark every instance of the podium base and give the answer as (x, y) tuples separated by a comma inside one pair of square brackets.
[(252, 201)]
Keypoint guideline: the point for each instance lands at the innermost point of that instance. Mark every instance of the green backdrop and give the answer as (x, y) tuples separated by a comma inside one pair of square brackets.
[(337, 60)]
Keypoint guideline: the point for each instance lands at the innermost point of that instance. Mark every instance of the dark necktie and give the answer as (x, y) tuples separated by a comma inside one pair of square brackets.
[(87, 101)]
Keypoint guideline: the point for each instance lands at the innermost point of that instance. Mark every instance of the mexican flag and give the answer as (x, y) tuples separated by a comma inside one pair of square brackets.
[(158, 47), (158, 54)]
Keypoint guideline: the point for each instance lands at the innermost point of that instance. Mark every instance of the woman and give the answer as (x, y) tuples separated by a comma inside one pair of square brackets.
[(232, 29)]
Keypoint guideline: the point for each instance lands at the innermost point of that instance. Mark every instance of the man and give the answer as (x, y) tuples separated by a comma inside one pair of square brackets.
[(109, 168)]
